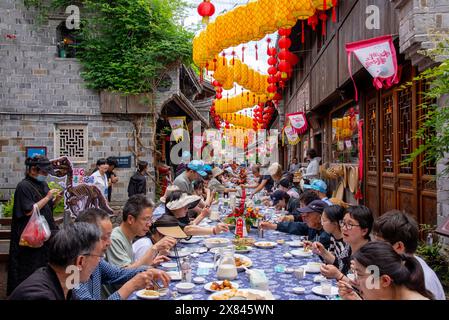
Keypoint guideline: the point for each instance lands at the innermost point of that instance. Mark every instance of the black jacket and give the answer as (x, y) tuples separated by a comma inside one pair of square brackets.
[(137, 185)]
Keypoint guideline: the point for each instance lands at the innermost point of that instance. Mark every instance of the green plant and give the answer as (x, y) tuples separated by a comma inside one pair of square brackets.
[(433, 132), (433, 255), (7, 207), (127, 46)]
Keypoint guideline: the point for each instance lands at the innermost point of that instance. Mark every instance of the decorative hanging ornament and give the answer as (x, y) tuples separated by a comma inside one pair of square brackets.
[(206, 10), (298, 121)]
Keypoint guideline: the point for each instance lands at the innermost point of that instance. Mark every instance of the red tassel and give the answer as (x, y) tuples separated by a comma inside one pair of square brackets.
[(323, 26), (233, 57), (257, 56), (215, 65), (224, 58), (254, 98), (247, 96), (243, 54), (334, 15), (324, 5), (302, 33), (201, 75)]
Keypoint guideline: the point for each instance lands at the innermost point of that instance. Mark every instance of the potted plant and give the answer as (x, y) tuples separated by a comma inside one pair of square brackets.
[(165, 132)]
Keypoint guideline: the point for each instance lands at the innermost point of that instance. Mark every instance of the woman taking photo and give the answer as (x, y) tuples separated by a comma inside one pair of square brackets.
[(355, 227), (23, 260)]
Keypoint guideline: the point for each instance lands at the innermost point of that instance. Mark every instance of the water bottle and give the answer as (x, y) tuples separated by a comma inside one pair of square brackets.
[(186, 270), (429, 240)]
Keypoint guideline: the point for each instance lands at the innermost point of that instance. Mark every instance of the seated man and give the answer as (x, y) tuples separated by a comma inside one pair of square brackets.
[(109, 275), (137, 219), (281, 200), (304, 199), (76, 248), (311, 227), (320, 188), (401, 231)]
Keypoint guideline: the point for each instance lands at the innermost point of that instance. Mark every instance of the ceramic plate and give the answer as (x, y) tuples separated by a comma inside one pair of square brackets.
[(295, 243), (242, 294), (142, 294), (192, 240), (181, 254), (312, 269), (174, 275), (301, 253), (265, 244), (248, 249), (169, 265), (246, 262), (317, 290), (207, 286), (216, 242)]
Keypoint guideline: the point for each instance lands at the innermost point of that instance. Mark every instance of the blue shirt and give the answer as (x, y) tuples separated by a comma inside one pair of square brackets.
[(105, 273)]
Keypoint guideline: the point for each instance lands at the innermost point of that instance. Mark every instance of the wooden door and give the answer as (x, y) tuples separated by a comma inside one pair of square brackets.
[(372, 152), (387, 126)]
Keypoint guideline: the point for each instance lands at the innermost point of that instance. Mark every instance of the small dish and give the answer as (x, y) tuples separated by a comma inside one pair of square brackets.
[(289, 270), (199, 280), (299, 290), (185, 287), (287, 255), (169, 265), (148, 294)]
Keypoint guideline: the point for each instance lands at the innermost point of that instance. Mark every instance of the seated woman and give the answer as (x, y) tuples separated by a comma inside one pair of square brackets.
[(158, 231), (330, 219), (206, 194), (355, 227), (263, 183), (395, 277), (177, 205), (216, 184)]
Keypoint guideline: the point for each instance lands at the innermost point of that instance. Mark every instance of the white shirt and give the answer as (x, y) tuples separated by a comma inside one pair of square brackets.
[(313, 169), (101, 182), (140, 247), (431, 280)]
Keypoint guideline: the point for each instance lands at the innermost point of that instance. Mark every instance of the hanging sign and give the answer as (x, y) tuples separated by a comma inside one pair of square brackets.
[(177, 126), (298, 121), (378, 56), (292, 135)]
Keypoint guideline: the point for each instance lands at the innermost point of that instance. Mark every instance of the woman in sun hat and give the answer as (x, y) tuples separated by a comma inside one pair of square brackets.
[(165, 226), (178, 204)]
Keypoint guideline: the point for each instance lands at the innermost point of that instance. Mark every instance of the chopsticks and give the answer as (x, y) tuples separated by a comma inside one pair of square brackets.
[(349, 286), (175, 249)]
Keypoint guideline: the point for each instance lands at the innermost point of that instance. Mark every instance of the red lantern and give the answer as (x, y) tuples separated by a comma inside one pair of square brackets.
[(218, 96), (215, 83), (292, 58), (272, 88), (284, 43), (206, 10), (313, 22), (219, 90), (272, 61), (272, 70), (277, 96), (284, 67), (271, 51), (284, 32), (272, 79), (283, 54)]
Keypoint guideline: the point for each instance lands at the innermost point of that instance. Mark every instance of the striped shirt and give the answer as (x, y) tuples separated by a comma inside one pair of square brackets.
[(342, 253), (105, 273)]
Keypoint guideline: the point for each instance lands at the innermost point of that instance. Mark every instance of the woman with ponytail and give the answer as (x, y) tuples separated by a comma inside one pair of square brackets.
[(383, 274)]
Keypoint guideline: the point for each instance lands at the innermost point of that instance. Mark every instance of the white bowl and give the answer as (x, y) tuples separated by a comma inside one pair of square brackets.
[(299, 290), (185, 287), (199, 280)]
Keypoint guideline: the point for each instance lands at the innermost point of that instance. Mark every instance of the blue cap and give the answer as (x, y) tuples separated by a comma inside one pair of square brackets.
[(317, 185), (198, 166), (207, 168)]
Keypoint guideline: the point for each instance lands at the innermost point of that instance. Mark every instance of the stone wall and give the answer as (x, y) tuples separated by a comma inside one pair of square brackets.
[(39, 90)]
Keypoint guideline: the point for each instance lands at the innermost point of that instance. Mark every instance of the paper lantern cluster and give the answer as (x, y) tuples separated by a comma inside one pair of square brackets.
[(239, 120), (234, 70), (245, 100), (251, 22)]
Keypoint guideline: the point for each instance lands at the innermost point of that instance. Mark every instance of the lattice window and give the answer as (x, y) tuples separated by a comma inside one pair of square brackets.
[(71, 141), (372, 137), (387, 132), (405, 128), (429, 168)]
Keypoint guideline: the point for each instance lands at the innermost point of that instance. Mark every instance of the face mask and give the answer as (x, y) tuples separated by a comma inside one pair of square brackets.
[(41, 178)]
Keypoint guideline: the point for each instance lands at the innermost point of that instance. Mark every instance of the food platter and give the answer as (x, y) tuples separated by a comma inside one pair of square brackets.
[(148, 294), (218, 286), (242, 294), (301, 253), (242, 262), (216, 242), (265, 244)]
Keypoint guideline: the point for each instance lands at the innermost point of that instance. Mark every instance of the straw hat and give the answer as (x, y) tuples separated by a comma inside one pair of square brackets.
[(339, 192), (353, 178), (345, 176), (216, 172), (168, 191), (275, 169), (339, 202), (168, 225), (335, 172), (323, 173), (184, 201)]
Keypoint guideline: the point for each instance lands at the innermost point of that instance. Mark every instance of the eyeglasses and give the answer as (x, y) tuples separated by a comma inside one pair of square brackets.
[(347, 226)]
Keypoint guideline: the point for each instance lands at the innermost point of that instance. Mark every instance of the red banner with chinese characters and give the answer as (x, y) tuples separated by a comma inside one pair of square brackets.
[(378, 56), (239, 227)]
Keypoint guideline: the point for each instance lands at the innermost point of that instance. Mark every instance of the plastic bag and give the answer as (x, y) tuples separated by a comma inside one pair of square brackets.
[(37, 230)]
